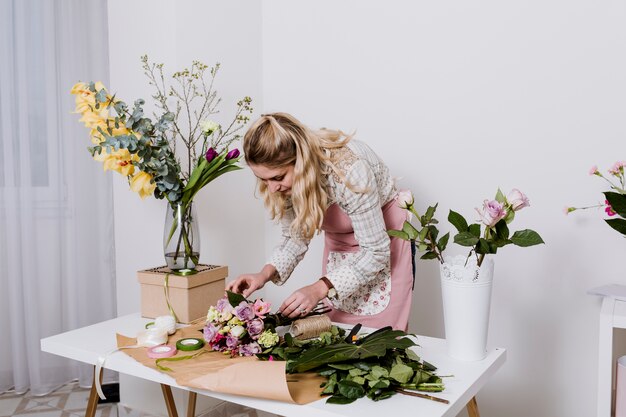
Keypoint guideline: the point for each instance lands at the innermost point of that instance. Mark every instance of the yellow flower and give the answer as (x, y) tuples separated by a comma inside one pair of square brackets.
[(118, 161), (85, 98), (140, 183), (93, 119)]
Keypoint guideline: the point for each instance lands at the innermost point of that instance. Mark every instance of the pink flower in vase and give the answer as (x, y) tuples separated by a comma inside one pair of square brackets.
[(491, 213)]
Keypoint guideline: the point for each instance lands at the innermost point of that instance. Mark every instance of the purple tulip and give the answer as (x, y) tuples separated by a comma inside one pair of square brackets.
[(255, 327), (244, 311), (232, 154), (210, 154)]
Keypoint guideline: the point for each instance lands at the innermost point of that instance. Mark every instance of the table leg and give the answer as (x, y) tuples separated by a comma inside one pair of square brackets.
[(191, 404), (472, 408), (169, 400), (92, 403)]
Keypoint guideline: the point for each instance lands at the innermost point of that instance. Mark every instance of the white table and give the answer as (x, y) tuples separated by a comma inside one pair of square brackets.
[(87, 343)]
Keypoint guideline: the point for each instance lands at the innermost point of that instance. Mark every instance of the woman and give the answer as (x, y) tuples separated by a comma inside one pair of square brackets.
[(322, 180)]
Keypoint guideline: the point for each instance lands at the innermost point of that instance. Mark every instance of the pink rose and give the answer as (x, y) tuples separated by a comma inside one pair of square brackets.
[(491, 213), (517, 200), (593, 170), (261, 308)]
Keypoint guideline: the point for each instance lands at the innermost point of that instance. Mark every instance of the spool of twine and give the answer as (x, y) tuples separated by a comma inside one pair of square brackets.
[(310, 327)]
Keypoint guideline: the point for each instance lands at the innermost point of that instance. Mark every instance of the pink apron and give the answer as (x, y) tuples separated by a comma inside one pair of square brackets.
[(339, 237)]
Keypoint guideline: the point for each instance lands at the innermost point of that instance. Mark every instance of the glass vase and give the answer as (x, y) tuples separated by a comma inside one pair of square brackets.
[(181, 239)]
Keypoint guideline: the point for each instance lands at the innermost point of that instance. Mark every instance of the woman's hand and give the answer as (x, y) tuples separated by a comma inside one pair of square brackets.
[(246, 284), (302, 301)]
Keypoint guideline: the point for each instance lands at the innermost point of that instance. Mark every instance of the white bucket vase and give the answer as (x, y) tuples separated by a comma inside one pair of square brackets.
[(466, 293)]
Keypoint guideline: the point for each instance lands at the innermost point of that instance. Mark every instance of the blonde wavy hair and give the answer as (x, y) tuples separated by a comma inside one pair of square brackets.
[(278, 140)]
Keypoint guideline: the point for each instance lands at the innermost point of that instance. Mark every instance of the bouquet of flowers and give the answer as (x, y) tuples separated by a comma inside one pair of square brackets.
[(377, 365), (615, 200), (495, 215), (241, 327), (143, 150)]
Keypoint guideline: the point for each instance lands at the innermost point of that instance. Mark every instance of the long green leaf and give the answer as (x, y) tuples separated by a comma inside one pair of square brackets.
[(617, 224), (374, 346)]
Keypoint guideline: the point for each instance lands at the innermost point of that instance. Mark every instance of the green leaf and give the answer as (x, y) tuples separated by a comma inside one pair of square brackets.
[(526, 238), (411, 231), (423, 234), (457, 221), (379, 384), (401, 373), (430, 212), (350, 389), (398, 233), (235, 299), (482, 247), (429, 255), (434, 232), (465, 239), (617, 224), (340, 399), (356, 372), (617, 202), (474, 229), (500, 198), (443, 242), (379, 372), (502, 230)]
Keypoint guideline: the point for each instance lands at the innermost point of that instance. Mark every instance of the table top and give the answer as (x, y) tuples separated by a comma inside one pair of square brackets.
[(88, 343)]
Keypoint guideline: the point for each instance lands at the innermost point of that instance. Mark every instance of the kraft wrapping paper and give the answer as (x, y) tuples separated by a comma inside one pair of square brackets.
[(248, 376)]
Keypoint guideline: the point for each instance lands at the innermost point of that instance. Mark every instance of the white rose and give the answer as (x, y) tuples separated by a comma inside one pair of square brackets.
[(209, 126), (517, 199), (237, 331), (212, 315), (405, 199)]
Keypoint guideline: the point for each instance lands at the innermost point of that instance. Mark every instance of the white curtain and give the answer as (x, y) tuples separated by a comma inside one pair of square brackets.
[(56, 219)]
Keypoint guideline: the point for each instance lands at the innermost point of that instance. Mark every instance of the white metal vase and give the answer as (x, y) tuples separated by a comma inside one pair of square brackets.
[(466, 293)]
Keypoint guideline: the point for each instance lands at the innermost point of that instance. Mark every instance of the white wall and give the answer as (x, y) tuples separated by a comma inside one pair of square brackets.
[(231, 219), (460, 98)]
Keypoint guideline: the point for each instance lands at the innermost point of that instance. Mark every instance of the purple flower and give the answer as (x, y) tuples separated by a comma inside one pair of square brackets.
[(249, 349), (222, 305), (255, 327), (209, 332), (491, 213), (231, 341), (244, 311), (210, 154), (232, 154)]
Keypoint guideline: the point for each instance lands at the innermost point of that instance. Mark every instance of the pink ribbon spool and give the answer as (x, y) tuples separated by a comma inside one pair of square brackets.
[(162, 351)]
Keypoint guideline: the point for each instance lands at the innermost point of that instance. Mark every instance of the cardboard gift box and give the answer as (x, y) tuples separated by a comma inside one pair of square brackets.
[(190, 296)]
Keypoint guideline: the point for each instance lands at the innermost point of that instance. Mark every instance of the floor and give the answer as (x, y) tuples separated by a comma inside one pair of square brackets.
[(71, 401)]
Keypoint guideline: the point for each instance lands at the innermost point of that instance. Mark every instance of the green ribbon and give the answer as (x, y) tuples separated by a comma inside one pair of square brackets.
[(176, 359), (166, 289)]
